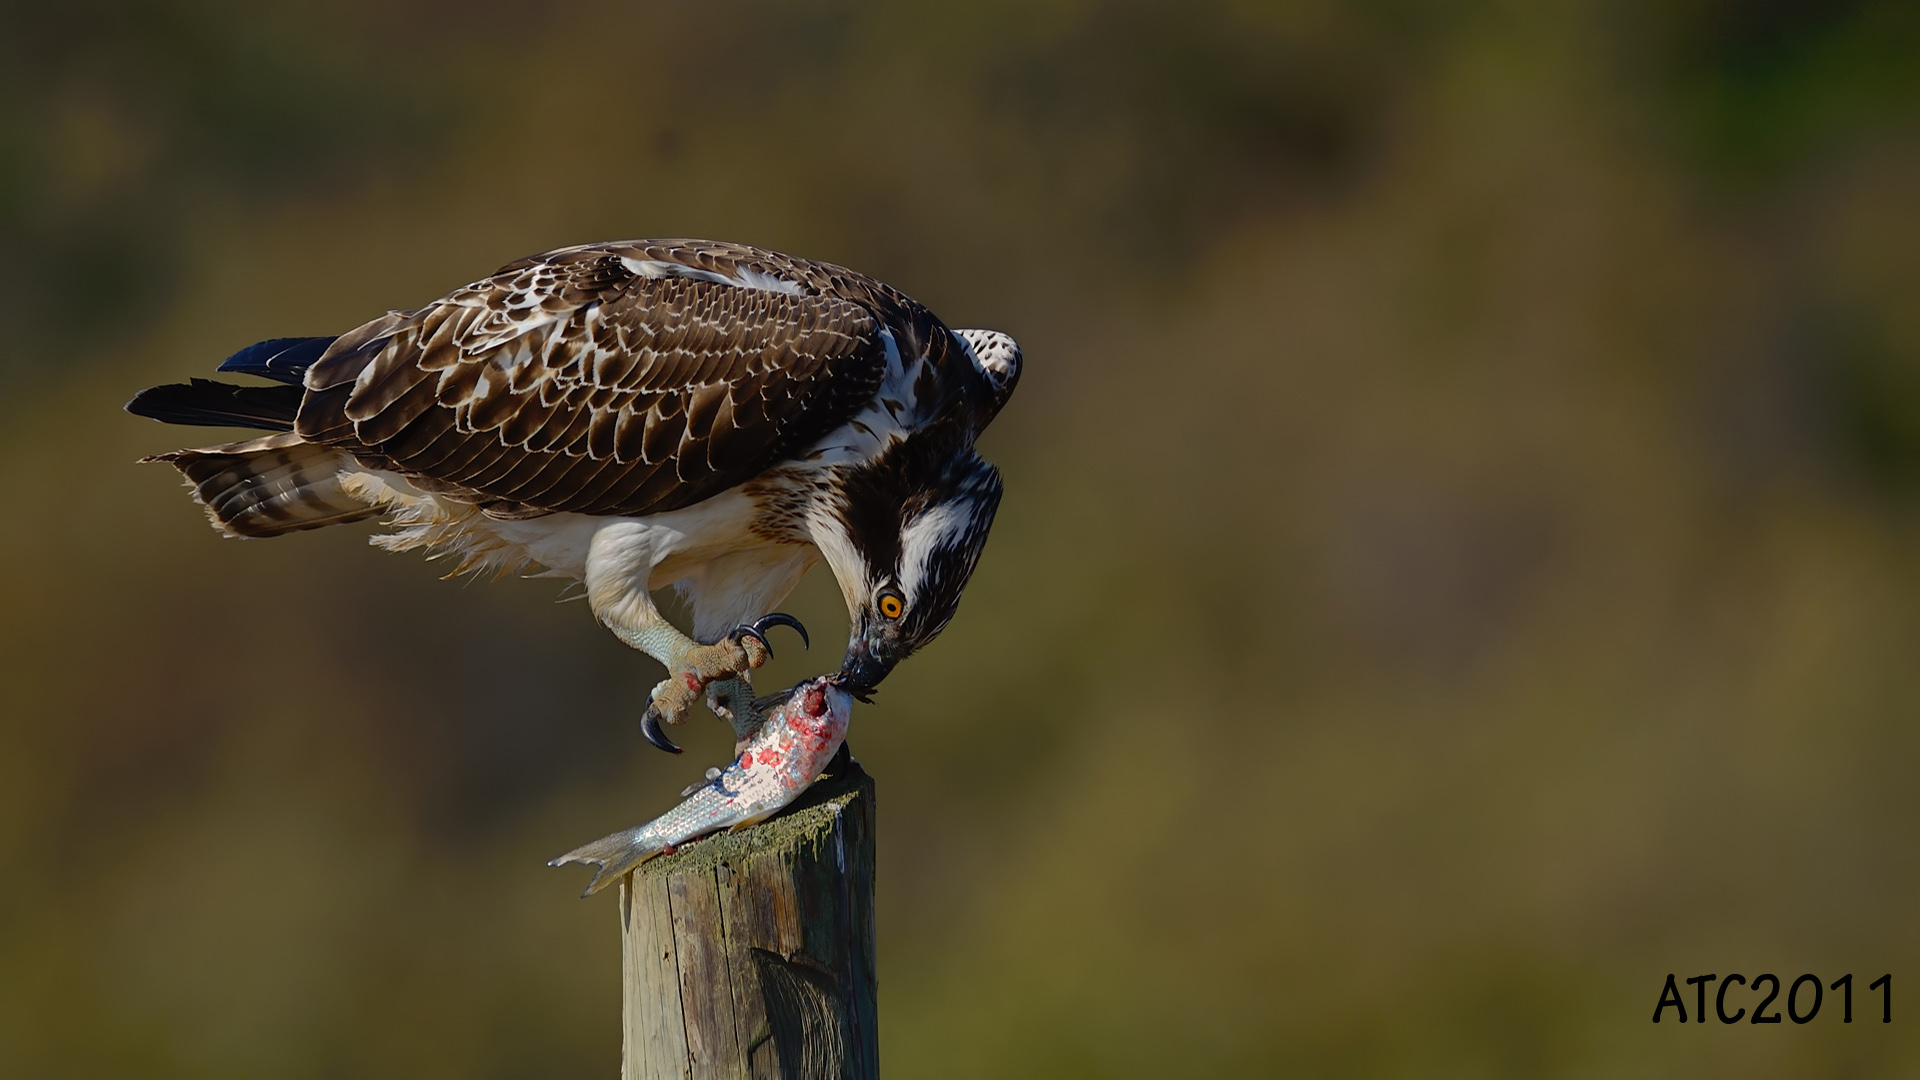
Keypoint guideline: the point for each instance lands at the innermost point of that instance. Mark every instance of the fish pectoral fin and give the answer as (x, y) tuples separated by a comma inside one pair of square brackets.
[(747, 823), (614, 855)]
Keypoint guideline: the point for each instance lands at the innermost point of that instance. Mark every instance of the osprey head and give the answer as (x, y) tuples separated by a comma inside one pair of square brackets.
[(996, 356), (910, 526)]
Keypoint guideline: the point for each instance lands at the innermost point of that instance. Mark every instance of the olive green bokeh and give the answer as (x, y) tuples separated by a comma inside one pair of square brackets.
[(1458, 563)]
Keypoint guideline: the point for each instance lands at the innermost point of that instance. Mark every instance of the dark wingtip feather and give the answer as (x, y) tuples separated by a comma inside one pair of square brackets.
[(283, 359), (205, 403)]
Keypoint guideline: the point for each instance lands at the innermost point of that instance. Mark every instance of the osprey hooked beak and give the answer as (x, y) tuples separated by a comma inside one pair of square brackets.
[(902, 560), (872, 651)]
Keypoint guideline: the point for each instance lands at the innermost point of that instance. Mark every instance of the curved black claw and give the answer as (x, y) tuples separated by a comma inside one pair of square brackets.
[(758, 630), (650, 727), (781, 618)]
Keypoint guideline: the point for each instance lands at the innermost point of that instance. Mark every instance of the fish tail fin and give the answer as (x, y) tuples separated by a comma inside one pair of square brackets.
[(615, 855)]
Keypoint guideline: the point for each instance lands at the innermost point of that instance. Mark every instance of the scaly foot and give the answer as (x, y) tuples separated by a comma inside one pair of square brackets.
[(732, 700), (726, 660)]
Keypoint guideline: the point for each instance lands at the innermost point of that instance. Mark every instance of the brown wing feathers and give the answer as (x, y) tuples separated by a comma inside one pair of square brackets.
[(570, 382)]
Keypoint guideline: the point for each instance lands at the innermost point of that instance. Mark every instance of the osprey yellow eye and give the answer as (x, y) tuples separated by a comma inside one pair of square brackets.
[(892, 606)]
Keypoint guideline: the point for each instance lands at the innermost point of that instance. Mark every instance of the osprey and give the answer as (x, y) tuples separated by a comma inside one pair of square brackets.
[(636, 415)]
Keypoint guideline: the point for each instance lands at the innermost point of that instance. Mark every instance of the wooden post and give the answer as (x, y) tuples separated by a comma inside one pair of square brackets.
[(750, 954)]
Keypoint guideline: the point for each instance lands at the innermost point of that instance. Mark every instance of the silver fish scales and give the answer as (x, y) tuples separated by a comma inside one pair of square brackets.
[(784, 757)]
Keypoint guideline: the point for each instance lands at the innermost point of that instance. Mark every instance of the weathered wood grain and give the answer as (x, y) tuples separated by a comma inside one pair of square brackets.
[(751, 954)]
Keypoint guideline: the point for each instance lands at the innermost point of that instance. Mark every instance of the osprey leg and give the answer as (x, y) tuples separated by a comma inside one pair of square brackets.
[(718, 671), (620, 562), (691, 668), (732, 700)]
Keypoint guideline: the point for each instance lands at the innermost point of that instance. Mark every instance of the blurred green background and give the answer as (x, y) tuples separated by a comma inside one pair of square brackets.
[(1458, 562)]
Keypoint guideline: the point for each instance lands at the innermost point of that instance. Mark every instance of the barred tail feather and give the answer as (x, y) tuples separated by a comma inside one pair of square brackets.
[(269, 486)]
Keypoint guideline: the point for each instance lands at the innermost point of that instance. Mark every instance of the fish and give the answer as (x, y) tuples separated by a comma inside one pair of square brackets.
[(780, 761)]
